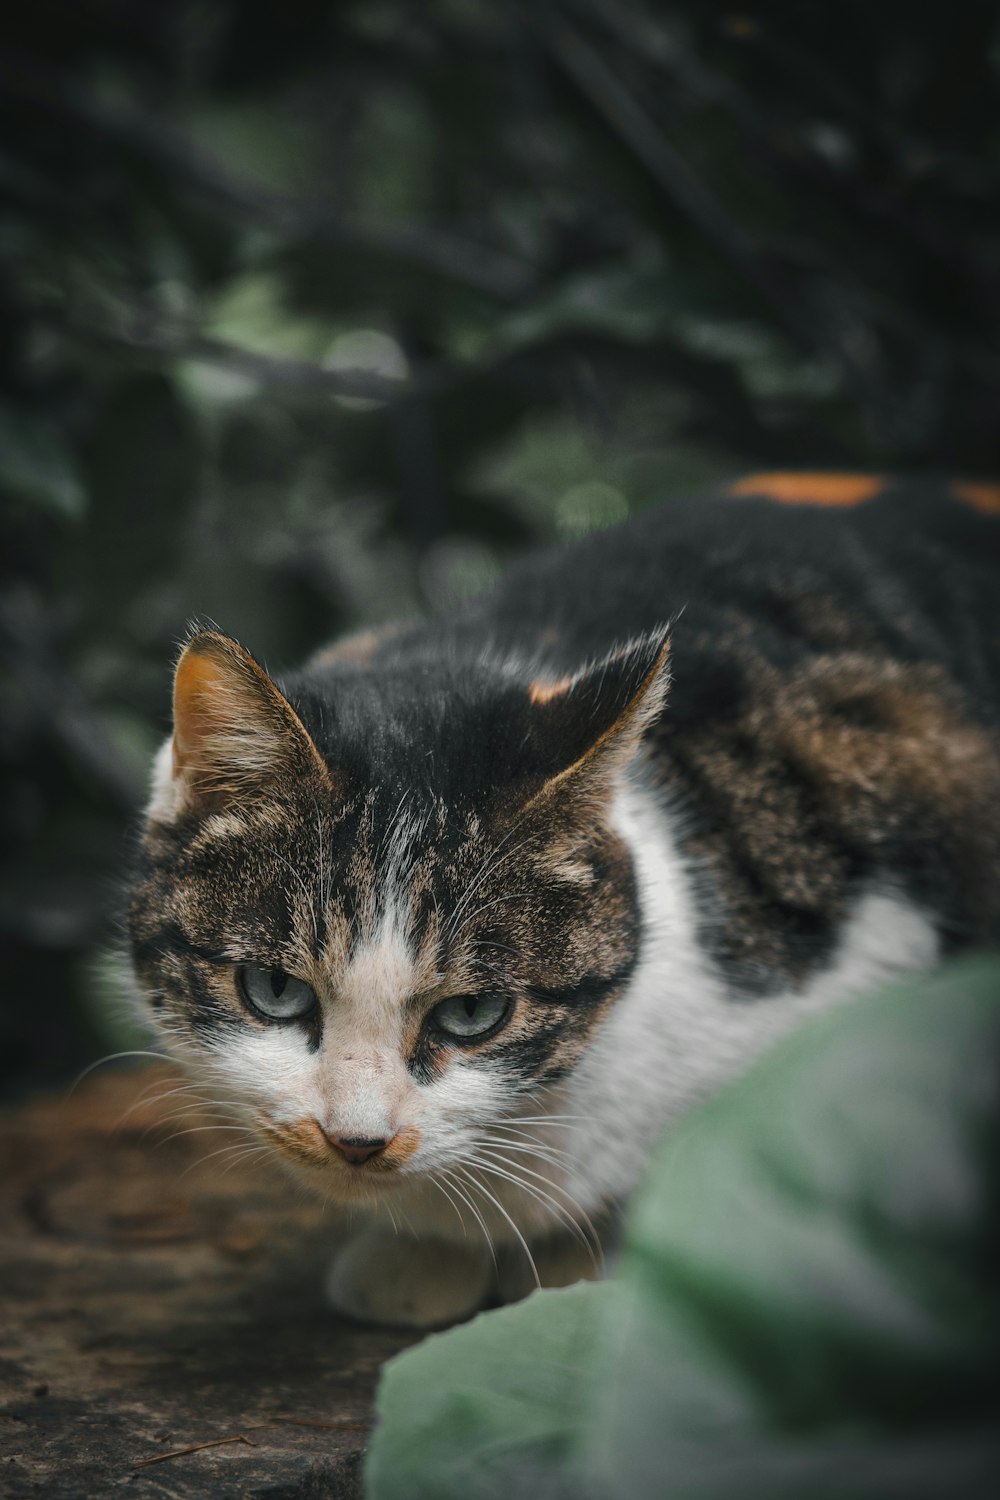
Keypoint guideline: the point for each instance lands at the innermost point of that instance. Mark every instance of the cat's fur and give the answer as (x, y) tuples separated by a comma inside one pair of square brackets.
[(666, 790)]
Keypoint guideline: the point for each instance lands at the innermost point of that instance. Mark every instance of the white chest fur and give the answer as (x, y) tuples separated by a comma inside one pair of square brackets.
[(678, 1034)]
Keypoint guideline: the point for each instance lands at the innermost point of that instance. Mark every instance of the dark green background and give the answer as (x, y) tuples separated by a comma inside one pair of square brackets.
[(315, 314)]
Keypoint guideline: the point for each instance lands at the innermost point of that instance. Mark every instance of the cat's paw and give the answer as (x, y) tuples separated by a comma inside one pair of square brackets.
[(559, 1261), (378, 1278)]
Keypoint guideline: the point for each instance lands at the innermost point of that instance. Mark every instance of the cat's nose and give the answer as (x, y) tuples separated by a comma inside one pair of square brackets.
[(356, 1148)]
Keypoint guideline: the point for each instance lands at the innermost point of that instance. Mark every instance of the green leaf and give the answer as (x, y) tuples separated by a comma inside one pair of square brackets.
[(487, 1406), (251, 310), (808, 1294), (806, 1306)]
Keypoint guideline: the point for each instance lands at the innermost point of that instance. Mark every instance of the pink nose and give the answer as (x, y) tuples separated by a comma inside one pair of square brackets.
[(357, 1149)]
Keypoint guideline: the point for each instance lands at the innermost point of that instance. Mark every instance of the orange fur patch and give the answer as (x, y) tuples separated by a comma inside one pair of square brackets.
[(399, 1149), (982, 497), (810, 489), (355, 650), (196, 680), (544, 692), (304, 1141)]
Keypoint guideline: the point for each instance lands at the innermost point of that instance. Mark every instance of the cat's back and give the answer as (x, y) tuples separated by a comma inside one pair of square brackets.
[(780, 567), (786, 564)]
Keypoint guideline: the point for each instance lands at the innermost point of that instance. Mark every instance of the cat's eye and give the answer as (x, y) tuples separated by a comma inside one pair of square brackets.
[(275, 994), (467, 1016)]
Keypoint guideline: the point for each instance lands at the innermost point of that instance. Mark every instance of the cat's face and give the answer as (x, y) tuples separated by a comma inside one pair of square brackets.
[(368, 971)]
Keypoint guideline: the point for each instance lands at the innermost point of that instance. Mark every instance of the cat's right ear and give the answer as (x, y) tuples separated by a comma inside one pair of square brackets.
[(236, 738), (584, 729)]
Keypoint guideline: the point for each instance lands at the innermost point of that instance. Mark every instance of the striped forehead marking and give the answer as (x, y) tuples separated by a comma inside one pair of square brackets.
[(389, 960)]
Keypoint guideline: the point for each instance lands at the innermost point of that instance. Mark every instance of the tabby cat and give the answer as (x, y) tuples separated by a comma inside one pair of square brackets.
[(462, 914)]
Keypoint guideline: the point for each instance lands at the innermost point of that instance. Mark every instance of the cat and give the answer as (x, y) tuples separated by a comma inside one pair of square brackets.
[(463, 914)]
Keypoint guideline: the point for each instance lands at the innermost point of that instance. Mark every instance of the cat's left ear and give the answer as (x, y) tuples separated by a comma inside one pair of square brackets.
[(236, 737), (585, 728)]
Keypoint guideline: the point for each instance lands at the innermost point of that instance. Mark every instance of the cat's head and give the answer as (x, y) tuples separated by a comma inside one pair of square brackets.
[(374, 909)]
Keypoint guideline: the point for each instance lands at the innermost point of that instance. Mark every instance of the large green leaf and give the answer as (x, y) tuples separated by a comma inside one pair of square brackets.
[(488, 1406), (809, 1300), (806, 1305)]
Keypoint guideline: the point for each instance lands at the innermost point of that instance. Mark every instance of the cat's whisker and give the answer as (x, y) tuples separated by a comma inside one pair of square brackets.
[(529, 1138), (515, 1173), (162, 1088), (467, 1177), (436, 1182), (250, 1154), (198, 1098), (406, 1220), (238, 1151), (565, 1120), (251, 1147), (451, 1175), (528, 1145), (540, 1088), (197, 1130), (521, 1122), (198, 1107), (177, 1087), (555, 1157), (224, 1151), (548, 1114), (165, 1120), (247, 1147), (148, 1096), (112, 1057)]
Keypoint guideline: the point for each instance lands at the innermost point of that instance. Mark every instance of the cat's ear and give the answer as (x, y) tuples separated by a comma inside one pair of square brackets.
[(583, 729), (236, 737)]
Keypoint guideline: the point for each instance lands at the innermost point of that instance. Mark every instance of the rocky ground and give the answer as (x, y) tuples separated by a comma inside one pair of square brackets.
[(163, 1332)]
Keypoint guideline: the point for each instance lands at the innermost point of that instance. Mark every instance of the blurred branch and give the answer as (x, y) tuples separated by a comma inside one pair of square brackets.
[(785, 153), (654, 40), (483, 268), (612, 101), (903, 143), (146, 335), (860, 361)]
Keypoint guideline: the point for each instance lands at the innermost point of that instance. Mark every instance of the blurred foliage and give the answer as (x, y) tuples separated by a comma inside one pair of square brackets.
[(314, 314), (807, 1301)]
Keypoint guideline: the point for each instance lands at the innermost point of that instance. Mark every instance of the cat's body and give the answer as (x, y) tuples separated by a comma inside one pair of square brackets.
[(535, 899)]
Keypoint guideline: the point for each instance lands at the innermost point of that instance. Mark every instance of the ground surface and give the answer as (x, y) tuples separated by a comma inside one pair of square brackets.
[(153, 1300)]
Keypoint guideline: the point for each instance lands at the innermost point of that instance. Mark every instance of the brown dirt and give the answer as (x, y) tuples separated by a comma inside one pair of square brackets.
[(154, 1301)]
